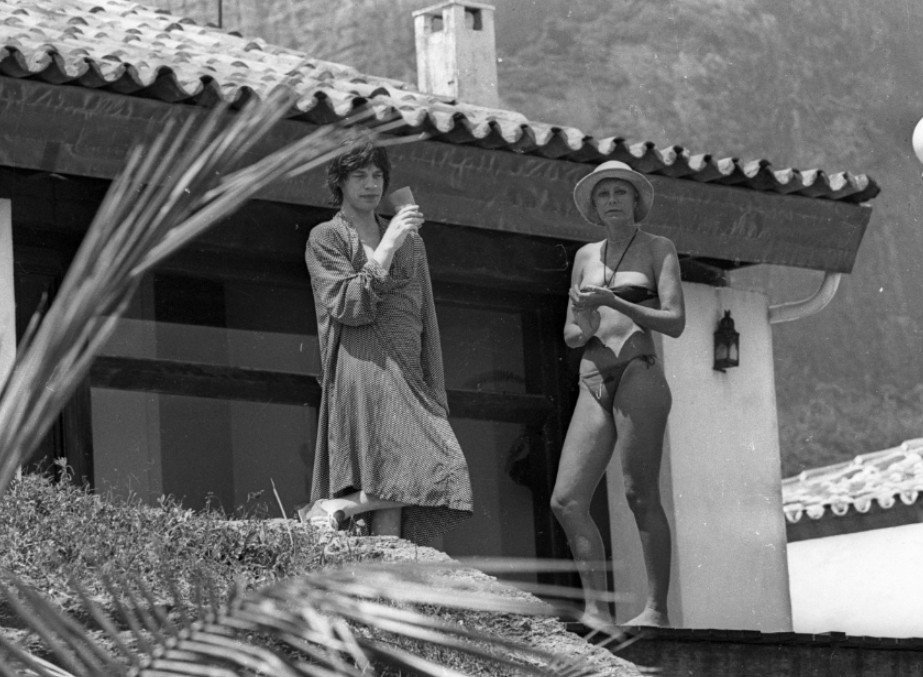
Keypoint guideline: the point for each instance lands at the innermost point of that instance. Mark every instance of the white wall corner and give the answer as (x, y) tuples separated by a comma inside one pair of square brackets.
[(721, 476), (7, 291)]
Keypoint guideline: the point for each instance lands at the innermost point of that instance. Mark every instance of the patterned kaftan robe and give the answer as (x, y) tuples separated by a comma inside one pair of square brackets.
[(383, 425)]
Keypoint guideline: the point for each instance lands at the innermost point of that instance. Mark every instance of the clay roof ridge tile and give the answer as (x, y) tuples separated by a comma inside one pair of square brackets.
[(442, 120), (642, 149), (675, 153), (753, 168), (810, 176), (727, 165), (413, 116), (815, 512), (606, 145), (838, 180), (511, 131), (541, 133), (110, 70), (787, 175), (72, 66), (572, 136), (35, 59), (305, 102), (699, 161), (885, 500)]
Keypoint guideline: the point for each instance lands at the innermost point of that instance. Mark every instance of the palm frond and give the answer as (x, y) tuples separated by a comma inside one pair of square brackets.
[(344, 622), (188, 179)]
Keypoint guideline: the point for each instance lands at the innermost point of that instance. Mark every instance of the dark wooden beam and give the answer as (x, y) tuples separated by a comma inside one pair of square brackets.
[(204, 380), (234, 383), (528, 409)]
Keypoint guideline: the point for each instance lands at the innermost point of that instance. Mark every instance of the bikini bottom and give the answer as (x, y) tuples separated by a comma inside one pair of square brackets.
[(603, 383)]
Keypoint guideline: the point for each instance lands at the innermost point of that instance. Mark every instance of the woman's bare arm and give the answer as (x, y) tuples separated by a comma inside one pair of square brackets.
[(580, 324)]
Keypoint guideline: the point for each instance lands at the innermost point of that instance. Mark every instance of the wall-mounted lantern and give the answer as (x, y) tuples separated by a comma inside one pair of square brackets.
[(727, 344)]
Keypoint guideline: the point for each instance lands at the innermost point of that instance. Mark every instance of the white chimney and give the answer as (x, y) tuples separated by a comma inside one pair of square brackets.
[(456, 52)]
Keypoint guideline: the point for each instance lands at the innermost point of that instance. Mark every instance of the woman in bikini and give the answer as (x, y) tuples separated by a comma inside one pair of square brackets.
[(624, 288)]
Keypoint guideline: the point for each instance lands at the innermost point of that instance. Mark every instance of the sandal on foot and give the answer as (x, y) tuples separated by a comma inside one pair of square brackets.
[(614, 642), (317, 517)]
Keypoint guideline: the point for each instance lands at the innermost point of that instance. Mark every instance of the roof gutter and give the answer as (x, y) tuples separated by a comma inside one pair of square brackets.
[(788, 312)]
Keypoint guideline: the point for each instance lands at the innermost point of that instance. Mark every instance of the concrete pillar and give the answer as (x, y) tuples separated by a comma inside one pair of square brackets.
[(721, 478), (7, 292), (456, 52)]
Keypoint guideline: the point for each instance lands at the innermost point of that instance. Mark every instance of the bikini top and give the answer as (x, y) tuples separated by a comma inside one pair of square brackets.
[(635, 293)]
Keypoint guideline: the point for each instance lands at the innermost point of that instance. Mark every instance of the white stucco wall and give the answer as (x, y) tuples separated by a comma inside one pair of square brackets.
[(7, 297), (721, 478), (863, 584)]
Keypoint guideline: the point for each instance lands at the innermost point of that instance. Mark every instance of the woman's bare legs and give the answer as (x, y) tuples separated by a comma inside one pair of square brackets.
[(642, 404), (587, 450)]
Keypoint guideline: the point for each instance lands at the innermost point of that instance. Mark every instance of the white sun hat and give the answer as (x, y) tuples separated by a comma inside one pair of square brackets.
[(583, 191)]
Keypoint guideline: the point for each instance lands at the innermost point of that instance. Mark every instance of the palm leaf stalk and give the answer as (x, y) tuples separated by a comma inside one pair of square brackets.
[(188, 179), (334, 622)]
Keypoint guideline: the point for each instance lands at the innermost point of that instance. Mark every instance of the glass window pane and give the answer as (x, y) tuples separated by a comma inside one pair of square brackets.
[(482, 348), (146, 444), (250, 349), (503, 524)]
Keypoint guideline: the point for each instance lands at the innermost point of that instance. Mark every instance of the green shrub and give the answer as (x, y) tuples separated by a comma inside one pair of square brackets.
[(52, 533)]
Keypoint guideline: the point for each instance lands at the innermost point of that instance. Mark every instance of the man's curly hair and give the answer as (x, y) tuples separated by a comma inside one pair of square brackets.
[(358, 156)]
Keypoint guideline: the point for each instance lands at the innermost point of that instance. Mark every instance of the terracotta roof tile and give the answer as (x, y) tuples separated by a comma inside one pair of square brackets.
[(124, 47), (884, 476)]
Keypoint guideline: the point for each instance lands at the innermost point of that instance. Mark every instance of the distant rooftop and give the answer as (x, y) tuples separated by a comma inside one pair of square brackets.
[(889, 477), (123, 47)]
